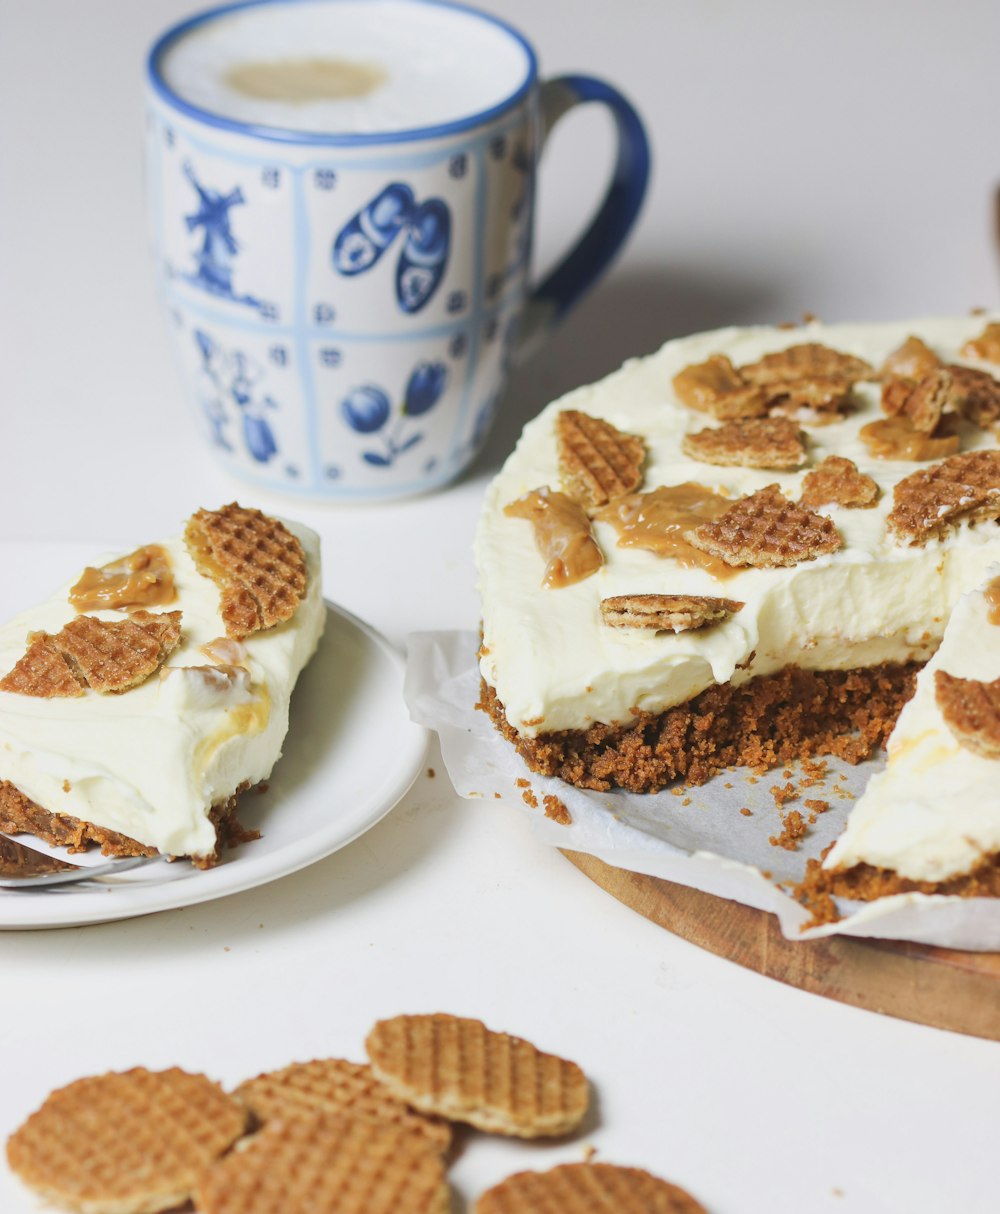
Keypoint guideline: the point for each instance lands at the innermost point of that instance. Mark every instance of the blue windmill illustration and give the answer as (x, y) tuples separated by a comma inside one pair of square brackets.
[(219, 247)]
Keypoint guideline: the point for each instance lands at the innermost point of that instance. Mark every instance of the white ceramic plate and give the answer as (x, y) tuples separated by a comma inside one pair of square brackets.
[(350, 755)]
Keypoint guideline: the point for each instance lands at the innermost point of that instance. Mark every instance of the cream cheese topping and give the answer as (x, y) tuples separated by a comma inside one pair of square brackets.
[(555, 665), (934, 812), (151, 762)]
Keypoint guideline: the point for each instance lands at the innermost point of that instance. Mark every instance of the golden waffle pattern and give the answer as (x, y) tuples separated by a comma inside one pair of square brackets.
[(107, 655), (766, 530), (327, 1165), (133, 1142), (331, 1086), (837, 481), (257, 563), (457, 1068), (587, 1188), (971, 710), (597, 462), (960, 487), (676, 612), (760, 442), (807, 361)]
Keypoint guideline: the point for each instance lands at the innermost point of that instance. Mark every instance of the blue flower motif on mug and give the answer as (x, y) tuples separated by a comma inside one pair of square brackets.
[(368, 410), (370, 233)]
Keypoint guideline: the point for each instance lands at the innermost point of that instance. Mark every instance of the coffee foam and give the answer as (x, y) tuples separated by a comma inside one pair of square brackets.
[(429, 65)]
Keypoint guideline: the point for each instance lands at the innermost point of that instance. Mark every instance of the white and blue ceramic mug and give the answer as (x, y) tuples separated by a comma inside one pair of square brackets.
[(346, 278)]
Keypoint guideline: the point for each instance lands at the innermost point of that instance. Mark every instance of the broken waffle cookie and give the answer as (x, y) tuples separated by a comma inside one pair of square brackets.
[(596, 461), (809, 360), (716, 387), (106, 655), (133, 1142), (766, 442), (666, 612), (459, 1069), (837, 482), (928, 502), (334, 1086), (327, 1165), (986, 345), (586, 1188), (766, 530), (130, 719), (258, 564), (971, 710), (911, 360)]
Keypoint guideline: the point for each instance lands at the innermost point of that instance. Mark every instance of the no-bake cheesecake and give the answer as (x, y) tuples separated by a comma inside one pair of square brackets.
[(146, 694), (739, 550)]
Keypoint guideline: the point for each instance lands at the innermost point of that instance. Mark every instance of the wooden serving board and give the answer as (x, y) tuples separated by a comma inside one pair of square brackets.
[(941, 987)]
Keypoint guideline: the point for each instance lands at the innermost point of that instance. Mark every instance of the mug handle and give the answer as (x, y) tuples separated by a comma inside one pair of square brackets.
[(580, 268)]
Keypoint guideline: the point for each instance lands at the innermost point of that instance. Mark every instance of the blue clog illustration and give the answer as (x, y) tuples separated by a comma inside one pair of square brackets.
[(424, 256), (367, 235)]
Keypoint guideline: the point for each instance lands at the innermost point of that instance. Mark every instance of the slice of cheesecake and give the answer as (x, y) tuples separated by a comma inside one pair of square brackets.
[(145, 695), (931, 819)]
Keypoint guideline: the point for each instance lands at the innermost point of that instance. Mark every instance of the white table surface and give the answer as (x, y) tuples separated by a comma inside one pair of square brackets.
[(839, 158)]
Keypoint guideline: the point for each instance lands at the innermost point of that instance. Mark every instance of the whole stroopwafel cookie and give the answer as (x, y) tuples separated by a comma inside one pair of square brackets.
[(587, 1188), (462, 1070), (257, 563), (327, 1165), (133, 1142), (332, 1086)]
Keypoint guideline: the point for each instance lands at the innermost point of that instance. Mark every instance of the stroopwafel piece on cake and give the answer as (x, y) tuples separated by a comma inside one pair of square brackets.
[(678, 612), (837, 482), (764, 442), (764, 530), (130, 716), (258, 563), (327, 1165), (133, 1142), (597, 462), (335, 1086), (586, 1188), (459, 1069), (106, 655)]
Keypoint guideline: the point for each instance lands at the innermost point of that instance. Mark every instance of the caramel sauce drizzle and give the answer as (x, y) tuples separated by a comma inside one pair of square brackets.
[(141, 579), (562, 533), (897, 438), (992, 594), (658, 521)]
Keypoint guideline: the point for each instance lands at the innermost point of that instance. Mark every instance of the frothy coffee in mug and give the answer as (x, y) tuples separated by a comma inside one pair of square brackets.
[(346, 66)]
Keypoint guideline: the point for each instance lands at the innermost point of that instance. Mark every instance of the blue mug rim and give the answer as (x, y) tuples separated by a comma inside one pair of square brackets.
[(330, 138)]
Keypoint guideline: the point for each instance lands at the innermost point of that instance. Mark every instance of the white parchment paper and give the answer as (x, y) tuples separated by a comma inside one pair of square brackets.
[(694, 836)]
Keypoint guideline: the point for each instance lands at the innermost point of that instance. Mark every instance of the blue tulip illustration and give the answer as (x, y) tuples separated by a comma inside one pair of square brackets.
[(367, 410), (424, 388)]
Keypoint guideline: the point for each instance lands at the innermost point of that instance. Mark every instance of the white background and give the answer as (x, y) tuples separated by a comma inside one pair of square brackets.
[(835, 157)]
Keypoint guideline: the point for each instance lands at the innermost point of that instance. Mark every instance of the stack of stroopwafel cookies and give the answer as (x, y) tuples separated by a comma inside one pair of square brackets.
[(327, 1136)]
